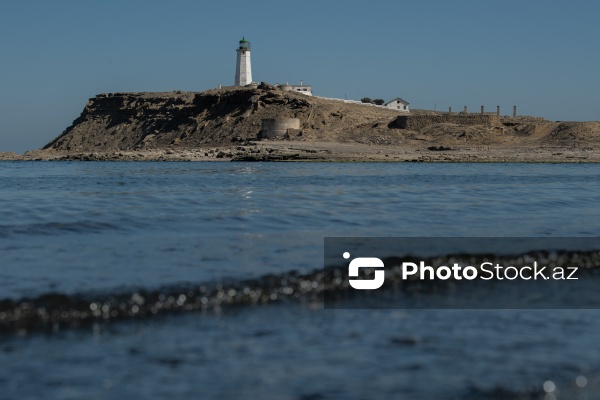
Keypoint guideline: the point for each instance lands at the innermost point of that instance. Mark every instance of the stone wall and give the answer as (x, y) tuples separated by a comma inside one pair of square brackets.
[(416, 122)]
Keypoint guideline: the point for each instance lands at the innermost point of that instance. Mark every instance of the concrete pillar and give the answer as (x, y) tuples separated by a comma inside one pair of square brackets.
[(498, 110), (482, 110), (515, 111)]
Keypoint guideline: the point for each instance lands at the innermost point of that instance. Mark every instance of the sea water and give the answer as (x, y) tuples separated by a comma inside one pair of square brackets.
[(72, 228)]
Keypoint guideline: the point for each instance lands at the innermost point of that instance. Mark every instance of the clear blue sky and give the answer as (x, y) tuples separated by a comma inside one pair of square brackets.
[(542, 56)]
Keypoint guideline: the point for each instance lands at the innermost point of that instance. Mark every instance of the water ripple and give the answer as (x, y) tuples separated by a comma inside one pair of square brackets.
[(54, 228), (55, 311)]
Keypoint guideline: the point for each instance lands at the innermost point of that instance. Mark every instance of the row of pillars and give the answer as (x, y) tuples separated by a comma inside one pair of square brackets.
[(483, 110)]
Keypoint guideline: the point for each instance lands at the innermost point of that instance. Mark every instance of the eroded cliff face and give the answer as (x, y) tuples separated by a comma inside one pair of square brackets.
[(126, 121), (225, 117)]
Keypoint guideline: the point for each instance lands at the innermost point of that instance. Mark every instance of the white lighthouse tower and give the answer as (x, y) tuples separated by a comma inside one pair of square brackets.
[(243, 70)]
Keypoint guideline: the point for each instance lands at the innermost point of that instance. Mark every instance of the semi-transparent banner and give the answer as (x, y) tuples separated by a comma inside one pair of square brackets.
[(462, 273)]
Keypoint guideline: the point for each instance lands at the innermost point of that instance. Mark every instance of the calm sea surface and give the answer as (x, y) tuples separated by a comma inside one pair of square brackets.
[(86, 227)]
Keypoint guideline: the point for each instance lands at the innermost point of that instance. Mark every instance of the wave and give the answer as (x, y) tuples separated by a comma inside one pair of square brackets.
[(52, 228), (326, 287)]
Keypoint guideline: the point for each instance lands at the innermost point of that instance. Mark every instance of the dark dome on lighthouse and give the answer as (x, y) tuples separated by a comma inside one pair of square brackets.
[(244, 44)]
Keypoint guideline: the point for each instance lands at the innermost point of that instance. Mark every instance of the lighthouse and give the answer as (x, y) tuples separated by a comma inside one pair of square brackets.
[(243, 70)]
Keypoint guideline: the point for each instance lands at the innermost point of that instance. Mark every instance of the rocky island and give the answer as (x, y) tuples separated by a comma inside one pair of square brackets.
[(265, 123)]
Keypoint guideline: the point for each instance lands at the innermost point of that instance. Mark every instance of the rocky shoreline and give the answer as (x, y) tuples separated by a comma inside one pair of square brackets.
[(274, 151), (227, 124)]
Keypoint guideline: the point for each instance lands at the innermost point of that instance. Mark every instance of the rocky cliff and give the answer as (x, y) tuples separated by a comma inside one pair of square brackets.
[(159, 125), (127, 121)]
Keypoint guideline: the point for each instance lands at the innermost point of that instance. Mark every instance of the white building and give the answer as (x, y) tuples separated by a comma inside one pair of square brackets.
[(397, 104), (243, 69), (304, 89), (301, 88)]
